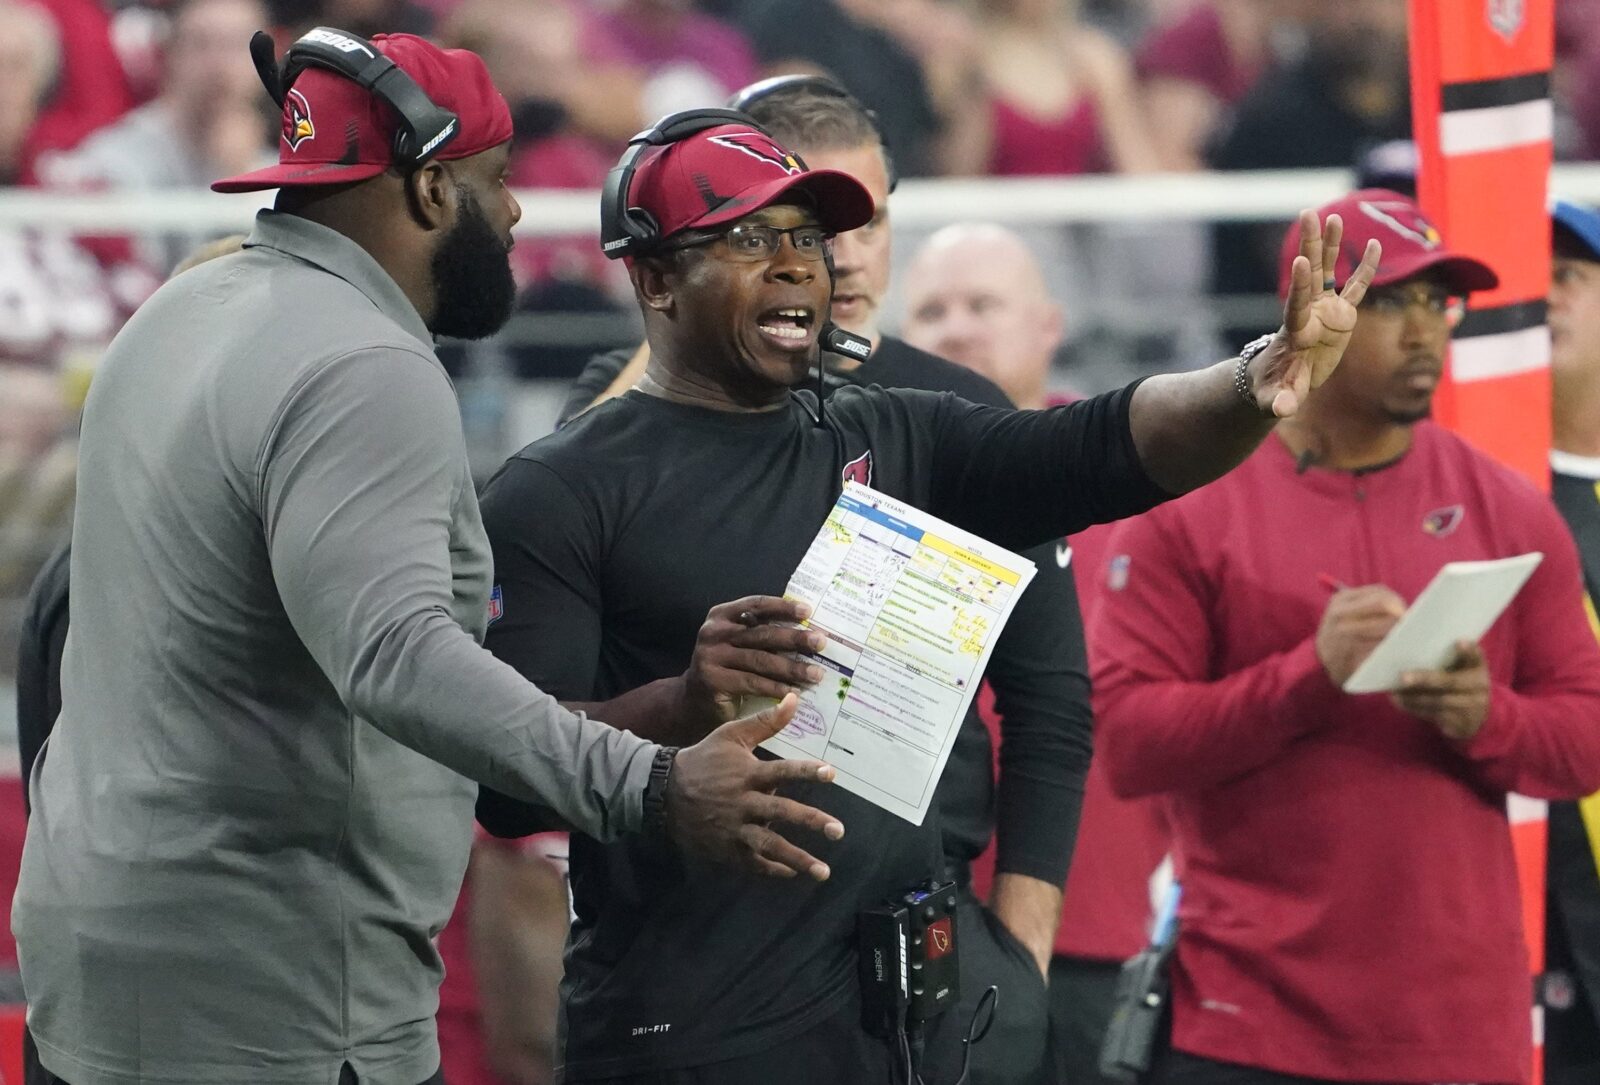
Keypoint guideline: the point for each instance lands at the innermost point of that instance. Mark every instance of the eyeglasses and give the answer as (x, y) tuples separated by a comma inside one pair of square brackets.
[(751, 243), (1395, 300)]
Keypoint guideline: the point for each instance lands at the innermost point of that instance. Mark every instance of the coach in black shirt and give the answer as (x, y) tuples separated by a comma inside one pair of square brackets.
[(1038, 673), (614, 537)]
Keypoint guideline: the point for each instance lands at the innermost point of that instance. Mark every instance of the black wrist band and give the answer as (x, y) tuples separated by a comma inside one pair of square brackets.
[(655, 790)]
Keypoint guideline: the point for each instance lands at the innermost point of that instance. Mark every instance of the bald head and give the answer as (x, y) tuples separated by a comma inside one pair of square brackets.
[(974, 294)]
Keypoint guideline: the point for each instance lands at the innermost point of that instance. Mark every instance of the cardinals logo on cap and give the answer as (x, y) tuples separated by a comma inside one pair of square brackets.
[(1403, 219), (759, 146), (297, 126)]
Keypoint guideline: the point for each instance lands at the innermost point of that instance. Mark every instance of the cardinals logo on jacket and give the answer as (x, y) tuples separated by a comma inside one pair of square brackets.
[(859, 469), (1441, 522), (297, 126), (759, 146)]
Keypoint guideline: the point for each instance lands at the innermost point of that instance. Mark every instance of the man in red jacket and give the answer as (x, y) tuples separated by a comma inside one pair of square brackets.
[(1350, 907)]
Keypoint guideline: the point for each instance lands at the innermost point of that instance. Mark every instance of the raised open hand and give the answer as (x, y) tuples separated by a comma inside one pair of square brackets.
[(1317, 321)]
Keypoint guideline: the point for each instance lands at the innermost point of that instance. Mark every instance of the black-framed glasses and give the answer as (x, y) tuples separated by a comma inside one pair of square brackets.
[(750, 242)]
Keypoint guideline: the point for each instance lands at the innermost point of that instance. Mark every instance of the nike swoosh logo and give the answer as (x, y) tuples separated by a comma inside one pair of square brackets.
[(1063, 555)]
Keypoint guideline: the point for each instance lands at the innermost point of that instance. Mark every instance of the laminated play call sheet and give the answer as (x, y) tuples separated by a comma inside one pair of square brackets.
[(911, 607)]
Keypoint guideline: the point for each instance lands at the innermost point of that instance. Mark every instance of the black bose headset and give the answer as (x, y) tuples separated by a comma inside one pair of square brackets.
[(425, 128), (820, 86), (632, 231)]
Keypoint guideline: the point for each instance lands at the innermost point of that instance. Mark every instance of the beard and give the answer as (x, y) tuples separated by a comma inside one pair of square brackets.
[(472, 282)]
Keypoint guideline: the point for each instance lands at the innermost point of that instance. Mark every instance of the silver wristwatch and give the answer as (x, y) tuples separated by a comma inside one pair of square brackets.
[(1241, 375)]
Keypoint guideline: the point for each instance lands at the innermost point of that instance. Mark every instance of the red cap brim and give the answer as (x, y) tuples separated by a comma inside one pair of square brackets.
[(293, 175), (1462, 274), (843, 203)]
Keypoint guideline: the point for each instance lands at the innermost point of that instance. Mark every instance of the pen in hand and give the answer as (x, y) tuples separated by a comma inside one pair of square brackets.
[(1330, 582)]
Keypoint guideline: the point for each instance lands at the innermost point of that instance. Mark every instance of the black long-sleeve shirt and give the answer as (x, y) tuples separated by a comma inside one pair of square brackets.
[(613, 538), (1039, 671)]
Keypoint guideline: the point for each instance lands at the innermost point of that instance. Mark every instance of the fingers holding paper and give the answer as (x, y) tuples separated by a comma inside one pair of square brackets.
[(1455, 699), (750, 647)]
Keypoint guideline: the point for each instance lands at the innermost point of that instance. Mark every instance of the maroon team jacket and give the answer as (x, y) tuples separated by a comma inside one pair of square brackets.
[(1350, 905)]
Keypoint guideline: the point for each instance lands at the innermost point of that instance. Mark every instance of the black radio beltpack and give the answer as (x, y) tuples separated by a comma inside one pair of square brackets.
[(1139, 1006), (909, 972)]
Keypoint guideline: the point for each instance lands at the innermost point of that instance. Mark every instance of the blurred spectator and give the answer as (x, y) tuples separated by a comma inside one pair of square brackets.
[(207, 122), (974, 294), (575, 98), (87, 89), (1062, 98), (944, 40), (1347, 93), (882, 73), (1196, 67), (30, 59), (38, 462), (369, 17), (560, 69), (689, 59), (53, 294), (1575, 79), (1582, 87)]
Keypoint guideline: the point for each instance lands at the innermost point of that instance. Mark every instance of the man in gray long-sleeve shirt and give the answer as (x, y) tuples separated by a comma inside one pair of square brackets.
[(254, 812)]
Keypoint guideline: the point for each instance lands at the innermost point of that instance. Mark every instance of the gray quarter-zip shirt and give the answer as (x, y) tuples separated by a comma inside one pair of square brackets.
[(254, 814)]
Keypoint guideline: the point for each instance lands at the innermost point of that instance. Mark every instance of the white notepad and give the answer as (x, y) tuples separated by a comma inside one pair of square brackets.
[(1460, 603)]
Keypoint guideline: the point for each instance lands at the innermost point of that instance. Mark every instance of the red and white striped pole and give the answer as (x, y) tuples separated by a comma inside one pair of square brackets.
[(1481, 113)]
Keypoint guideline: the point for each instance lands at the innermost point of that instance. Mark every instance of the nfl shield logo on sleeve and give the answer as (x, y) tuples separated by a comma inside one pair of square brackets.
[(1506, 16), (1117, 572), (497, 607)]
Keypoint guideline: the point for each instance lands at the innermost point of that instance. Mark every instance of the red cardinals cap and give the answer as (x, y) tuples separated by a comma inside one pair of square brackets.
[(725, 173), (1411, 244), (334, 131)]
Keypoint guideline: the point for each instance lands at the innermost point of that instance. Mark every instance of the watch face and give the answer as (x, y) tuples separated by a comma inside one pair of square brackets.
[(1257, 345)]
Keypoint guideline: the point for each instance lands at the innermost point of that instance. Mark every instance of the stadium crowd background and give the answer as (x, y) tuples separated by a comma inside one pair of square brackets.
[(144, 96)]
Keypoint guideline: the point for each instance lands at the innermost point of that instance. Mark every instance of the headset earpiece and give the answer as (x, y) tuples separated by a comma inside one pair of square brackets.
[(823, 87), (631, 231)]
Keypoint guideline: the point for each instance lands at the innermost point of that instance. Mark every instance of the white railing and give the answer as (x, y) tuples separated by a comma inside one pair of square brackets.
[(1265, 196)]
